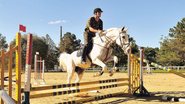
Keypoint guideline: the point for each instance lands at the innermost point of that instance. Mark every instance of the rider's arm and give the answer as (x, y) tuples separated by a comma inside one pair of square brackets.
[(93, 30), (101, 25), (90, 23), (99, 30)]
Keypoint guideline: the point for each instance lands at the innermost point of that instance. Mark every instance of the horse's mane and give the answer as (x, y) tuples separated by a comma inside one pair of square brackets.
[(111, 29), (108, 30)]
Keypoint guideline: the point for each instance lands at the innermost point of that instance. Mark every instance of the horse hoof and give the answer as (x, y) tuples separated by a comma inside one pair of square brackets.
[(98, 74), (111, 73)]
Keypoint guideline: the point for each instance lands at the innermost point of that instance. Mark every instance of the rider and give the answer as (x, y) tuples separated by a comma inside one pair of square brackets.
[(94, 25)]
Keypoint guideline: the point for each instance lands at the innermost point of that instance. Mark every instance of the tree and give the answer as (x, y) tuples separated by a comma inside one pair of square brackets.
[(52, 53), (172, 50), (151, 54), (38, 45), (69, 43), (49, 55), (3, 44)]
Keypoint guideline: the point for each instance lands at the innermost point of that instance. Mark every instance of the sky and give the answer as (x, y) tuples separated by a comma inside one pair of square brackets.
[(147, 20)]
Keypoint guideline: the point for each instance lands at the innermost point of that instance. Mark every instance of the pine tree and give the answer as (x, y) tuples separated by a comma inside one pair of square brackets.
[(172, 50)]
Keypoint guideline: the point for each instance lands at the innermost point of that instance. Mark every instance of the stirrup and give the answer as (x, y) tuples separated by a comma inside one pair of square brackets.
[(83, 62)]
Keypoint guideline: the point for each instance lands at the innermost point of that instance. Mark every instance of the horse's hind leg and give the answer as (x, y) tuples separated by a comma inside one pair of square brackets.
[(79, 75), (69, 77), (70, 73)]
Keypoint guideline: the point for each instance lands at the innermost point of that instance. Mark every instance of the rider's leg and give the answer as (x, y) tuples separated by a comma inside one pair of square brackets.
[(88, 45), (84, 54), (85, 47), (89, 48)]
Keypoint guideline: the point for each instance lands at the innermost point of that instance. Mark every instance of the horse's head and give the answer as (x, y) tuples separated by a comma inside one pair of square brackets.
[(117, 35), (123, 39)]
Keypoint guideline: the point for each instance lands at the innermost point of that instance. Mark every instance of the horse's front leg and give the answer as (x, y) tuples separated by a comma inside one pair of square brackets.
[(100, 63), (115, 60)]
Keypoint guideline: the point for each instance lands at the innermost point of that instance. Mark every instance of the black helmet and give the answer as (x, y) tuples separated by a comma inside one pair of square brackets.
[(97, 10)]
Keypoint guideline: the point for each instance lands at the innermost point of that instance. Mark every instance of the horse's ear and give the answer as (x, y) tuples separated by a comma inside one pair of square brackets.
[(123, 28)]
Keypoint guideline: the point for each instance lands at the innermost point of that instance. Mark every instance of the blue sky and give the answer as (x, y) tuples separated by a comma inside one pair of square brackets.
[(147, 20)]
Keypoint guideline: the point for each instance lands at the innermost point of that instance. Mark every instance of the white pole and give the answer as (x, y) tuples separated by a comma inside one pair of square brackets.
[(43, 68), (148, 68), (42, 73), (35, 67), (6, 98), (129, 70)]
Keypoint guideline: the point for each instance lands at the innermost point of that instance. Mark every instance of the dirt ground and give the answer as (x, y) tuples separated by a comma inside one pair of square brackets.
[(159, 84)]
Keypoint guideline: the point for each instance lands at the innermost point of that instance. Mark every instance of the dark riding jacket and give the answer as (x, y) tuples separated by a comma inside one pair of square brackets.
[(98, 25)]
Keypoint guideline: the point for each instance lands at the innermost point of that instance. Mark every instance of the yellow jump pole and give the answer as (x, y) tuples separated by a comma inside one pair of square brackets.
[(18, 68)]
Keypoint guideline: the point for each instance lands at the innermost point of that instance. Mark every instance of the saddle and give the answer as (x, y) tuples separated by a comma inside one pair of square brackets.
[(80, 51)]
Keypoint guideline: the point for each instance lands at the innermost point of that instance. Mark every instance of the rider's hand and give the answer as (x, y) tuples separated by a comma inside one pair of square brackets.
[(100, 32)]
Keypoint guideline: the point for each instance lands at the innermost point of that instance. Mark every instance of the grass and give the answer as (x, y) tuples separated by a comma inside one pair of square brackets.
[(164, 71)]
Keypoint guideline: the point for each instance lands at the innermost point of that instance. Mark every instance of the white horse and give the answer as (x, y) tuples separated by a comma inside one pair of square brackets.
[(100, 54)]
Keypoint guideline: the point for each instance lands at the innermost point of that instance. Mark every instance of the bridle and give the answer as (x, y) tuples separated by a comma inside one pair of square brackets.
[(123, 44), (110, 41)]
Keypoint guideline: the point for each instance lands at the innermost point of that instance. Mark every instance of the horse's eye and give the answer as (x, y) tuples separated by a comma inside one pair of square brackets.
[(123, 37)]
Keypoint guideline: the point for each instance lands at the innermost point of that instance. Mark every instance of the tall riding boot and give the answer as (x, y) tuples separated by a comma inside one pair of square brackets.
[(84, 54)]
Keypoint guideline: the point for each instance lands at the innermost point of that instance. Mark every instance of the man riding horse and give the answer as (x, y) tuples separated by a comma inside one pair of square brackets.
[(101, 51), (94, 25)]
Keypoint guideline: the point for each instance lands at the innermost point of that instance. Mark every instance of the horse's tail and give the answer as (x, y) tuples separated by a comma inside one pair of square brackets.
[(63, 59)]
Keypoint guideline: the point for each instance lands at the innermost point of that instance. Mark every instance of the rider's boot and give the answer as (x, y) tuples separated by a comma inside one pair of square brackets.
[(83, 60)]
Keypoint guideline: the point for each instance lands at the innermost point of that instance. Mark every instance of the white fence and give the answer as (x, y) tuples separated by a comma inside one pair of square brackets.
[(152, 68), (124, 68)]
